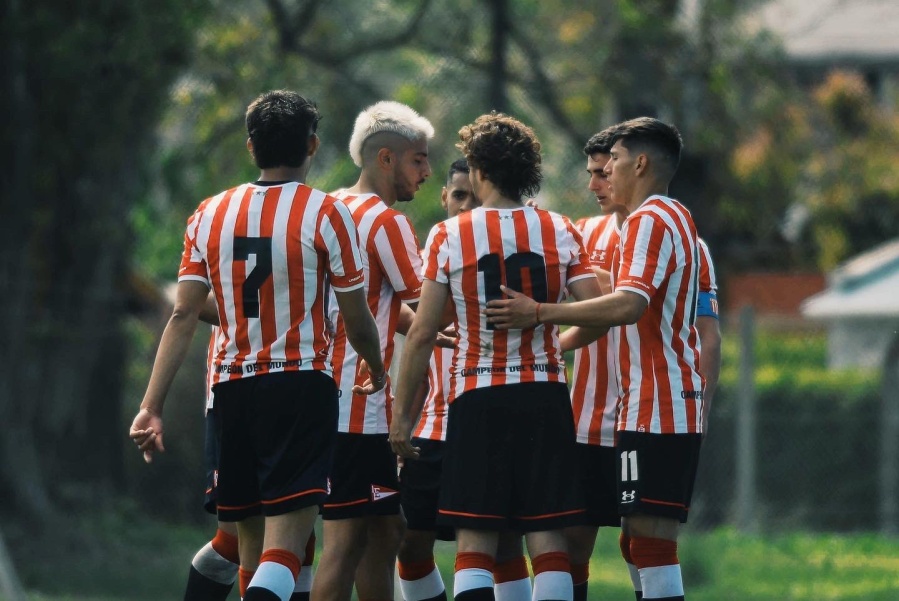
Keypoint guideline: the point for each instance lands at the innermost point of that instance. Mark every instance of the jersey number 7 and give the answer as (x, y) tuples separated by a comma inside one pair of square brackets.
[(262, 248)]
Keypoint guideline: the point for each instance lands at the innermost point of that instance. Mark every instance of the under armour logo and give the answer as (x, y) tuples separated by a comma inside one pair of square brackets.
[(628, 496)]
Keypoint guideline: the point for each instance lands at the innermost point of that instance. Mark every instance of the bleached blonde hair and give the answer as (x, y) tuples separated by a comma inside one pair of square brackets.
[(387, 116)]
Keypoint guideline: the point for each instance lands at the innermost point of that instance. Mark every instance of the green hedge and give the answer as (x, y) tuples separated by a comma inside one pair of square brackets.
[(817, 435)]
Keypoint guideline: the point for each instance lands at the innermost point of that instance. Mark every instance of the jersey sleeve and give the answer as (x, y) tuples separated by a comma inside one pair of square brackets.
[(338, 240), (193, 263), (435, 255), (646, 247), (579, 266), (399, 256), (707, 301)]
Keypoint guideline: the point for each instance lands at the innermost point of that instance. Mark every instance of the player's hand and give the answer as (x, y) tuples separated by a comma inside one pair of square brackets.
[(373, 384), (400, 438), (146, 432), (518, 312), (447, 338)]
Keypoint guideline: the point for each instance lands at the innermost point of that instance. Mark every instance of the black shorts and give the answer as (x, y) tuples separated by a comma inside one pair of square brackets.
[(363, 481), (277, 434), (509, 461), (596, 471), (211, 462), (656, 473), (420, 488)]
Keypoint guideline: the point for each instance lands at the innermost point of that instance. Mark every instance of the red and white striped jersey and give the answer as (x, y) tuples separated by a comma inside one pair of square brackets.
[(214, 334), (658, 258), (530, 250), (392, 263), (594, 387), (432, 424), (707, 280), (269, 253)]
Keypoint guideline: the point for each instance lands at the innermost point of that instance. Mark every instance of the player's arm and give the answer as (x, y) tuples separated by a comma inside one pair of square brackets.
[(709, 361), (575, 337), (146, 429), (414, 366), (404, 322), (209, 313), (605, 279), (520, 311), (362, 334)]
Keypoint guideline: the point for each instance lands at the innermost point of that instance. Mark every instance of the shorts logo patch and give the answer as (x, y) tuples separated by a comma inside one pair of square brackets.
[(329, 486), (628, 496), (381, 492)]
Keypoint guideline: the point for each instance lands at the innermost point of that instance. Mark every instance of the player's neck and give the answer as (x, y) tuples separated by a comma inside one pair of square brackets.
[(493, 199), (369, 185), (283, 174), (643, 192)]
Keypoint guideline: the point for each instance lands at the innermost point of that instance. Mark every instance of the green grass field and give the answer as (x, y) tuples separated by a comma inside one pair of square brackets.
[(115, 559)]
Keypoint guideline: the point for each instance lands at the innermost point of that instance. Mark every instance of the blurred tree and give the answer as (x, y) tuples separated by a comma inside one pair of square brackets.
[(87, 82), (829, 158)]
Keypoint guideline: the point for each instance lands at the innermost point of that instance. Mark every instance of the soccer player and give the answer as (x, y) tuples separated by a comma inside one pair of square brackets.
[(594, 391), (655, 281), (420, 580), (509, 451), (363, 526), (268, 250), (215, 567)]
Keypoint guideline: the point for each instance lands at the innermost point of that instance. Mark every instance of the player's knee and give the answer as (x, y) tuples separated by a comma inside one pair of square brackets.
[(416, 546)]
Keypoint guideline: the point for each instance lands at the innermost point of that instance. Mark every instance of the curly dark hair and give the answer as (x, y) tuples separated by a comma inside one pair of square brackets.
[(279, 124), (506, 152)]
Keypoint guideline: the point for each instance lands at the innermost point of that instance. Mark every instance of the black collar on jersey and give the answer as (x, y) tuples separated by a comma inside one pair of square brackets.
[(260, 182)]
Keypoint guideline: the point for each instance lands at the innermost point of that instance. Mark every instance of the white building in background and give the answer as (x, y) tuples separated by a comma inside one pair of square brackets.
[(819, 36), (860, 308)]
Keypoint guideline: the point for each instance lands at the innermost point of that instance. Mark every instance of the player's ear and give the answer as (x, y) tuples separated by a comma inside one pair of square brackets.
[(250, 147), (385, 157), (314, 143), (641, 164), (443, 194)]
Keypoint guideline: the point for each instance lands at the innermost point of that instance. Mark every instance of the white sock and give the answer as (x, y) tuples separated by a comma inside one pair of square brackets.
[(275, 577), (210, 564), (471, 578), (424, 588), (513, 590), (553, 585), (662, 581)]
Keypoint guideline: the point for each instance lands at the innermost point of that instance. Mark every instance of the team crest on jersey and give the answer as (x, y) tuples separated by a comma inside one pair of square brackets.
[(381, 492)]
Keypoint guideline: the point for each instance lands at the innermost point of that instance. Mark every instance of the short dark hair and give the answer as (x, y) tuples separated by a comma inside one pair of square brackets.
[(659, 139), (600, 142), (279, 124), (506, 152), (458, 166)]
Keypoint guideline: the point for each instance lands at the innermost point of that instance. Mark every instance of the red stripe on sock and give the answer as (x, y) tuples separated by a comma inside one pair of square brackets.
[(580, 573), (284, 557), (226, 545), (243, 580), (510, 571), (417, 570), (624, 542), (653, 552), (556, 561), (469, 560), (309, 556)]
